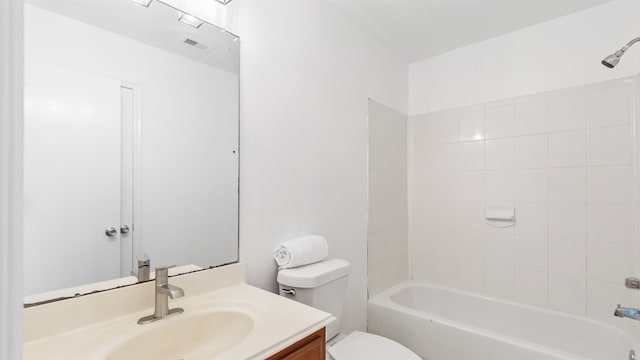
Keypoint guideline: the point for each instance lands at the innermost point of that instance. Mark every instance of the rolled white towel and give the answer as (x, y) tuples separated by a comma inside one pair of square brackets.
[(301, 251)]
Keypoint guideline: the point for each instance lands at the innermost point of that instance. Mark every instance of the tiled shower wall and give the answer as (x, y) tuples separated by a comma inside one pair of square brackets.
[(387, 238), (565, 160)]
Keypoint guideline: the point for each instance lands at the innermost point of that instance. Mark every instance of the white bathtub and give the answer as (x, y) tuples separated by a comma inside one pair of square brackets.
[(439, 323)]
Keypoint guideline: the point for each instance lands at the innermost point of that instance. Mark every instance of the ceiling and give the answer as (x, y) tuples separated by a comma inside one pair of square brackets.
[(156, 25), (419, 29)]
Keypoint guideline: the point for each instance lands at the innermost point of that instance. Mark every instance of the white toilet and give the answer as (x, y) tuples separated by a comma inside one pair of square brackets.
[(323, 285)]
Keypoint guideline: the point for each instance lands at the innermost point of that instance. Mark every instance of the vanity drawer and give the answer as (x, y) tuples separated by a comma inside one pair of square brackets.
[(313, 347)]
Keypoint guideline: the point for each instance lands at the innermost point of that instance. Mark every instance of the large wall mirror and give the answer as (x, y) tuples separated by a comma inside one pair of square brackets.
[(131, 144)]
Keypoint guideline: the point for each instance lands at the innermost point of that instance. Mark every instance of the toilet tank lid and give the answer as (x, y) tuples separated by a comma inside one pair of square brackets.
[(314, 275)]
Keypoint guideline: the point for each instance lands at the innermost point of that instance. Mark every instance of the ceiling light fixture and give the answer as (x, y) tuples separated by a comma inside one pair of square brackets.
[(144, 3), (190, 19), (224, 2)]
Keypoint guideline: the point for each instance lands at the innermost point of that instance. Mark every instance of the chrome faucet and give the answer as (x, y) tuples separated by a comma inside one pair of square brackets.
[(163, 292), (630, 313)]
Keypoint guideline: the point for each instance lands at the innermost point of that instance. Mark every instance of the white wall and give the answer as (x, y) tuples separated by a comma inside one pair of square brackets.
[(556, 54), (563, 160), (306, 75), (506, 120), (185, 184), (11, 126), (388, 225)]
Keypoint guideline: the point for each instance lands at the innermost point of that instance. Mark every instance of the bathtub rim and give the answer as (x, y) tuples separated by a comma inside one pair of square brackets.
[(383, 299)]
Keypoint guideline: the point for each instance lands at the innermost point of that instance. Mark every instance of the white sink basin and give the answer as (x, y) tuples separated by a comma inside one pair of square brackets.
[(197, 335), (223, 319)]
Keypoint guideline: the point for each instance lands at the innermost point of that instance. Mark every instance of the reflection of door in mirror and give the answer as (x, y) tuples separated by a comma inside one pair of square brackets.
[(128, 124), (78, 156)]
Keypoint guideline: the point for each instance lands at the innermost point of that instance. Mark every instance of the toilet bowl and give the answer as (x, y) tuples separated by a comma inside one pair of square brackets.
[(323, 285), (364, 346)]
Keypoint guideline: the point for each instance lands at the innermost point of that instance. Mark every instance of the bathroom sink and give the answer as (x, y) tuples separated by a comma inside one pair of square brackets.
[(197, 335)]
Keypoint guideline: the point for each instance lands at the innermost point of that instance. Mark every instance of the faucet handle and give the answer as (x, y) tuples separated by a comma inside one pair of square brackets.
[(632, 283), (163, 270)]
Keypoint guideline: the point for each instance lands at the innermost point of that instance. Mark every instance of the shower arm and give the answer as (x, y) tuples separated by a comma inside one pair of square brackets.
[(629, 44)]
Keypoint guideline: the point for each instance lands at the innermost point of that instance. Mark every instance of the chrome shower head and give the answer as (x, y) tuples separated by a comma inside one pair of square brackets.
[(612, 60)]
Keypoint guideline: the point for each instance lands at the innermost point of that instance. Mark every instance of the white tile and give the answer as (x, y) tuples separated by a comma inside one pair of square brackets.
[(531, 152), (423, 268), (447, 157), (499, 154), (423, 212), (381, 159), (499, 185), (386, 215), (472, 123), (567, 257), (388, 157), (568, 149), (423, 238), (387, 244), (471, 276), (500, 282), (531, 185), (568, 221), (602, 298), (610, 223), (424, 191), (532, 253), (422, 130), (375, 248), (423, 185), (531, 219), (531, 287), (446, 214), (446, 271), (424, 159), (375, 278), (445, 126), (568, 185), (492, 229), (499, 120), (385, 129), (611, 104), (609, 184), (471, 186), (471, 216), (609, 146), (446, 243), (399, 268), (472, 156), (499, 250), (531, 115), (446, 186), (567, 110), (387, 185), (568, 294), (383, 275), (609, 262), (471, 246)]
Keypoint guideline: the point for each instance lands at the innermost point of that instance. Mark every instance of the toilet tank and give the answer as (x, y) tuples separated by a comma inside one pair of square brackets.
[(322, 285)]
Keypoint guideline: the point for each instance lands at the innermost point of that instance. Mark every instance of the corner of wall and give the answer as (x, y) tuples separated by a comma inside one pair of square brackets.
[(11, 64)]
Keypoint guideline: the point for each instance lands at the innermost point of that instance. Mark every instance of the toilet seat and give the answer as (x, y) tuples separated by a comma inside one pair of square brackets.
[(364, 346)]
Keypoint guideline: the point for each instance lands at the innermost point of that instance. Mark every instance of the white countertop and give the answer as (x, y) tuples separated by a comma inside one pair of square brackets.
[(60, 330)]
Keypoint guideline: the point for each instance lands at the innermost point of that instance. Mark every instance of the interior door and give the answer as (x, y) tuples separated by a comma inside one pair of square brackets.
[(72, 177)]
